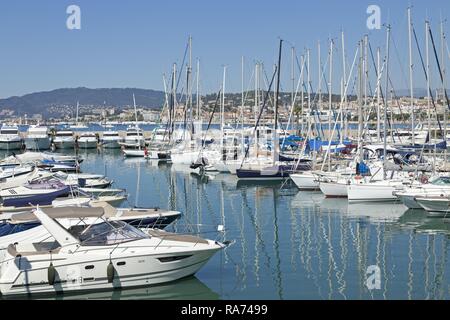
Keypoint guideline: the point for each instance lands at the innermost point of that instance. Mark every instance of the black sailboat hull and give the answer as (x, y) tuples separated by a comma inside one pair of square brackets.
[(270, 173)]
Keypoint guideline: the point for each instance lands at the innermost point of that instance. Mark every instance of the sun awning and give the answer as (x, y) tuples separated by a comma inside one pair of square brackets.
[(60, 213)]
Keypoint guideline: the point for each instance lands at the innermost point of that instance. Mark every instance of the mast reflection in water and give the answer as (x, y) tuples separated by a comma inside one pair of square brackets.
[(287, 244)]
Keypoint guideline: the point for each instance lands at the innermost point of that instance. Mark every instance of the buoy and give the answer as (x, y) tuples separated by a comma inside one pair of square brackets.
[(110, 272), (51, 272)]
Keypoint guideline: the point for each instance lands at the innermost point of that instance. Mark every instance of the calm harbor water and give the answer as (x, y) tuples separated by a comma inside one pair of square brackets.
[(286, 244)]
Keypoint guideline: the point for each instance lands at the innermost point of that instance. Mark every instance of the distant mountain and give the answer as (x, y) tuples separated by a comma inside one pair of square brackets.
[(418, 92), (62, 102), (41, 102)]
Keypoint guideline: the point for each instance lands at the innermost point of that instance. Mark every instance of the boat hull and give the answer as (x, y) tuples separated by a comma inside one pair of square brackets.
[(368, 192), (36, 144), (262, 175), (11, 145), (435, 206), (134, 153), (334, 189), (37, 199), (409, 200), (306, 181), (64, 144), (88, 272), (87, 144), (111, 144)]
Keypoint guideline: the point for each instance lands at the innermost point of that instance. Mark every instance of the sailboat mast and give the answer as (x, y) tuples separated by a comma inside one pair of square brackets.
[(443, 82), (330, 85), (388, 40), (427, 45), (411, 86), (360, 100), (303, 91), (341, 110), (292, 77), (344, 70), (78, 105), (330, 102), (222, 111), (198, 90), (242, 104), (135, 110), (256, 91), (308, 54), (242, 92), (173, 100), (366, 71), (319, 62), (136, 118), (189, 85), (378, 95), (276, 142)]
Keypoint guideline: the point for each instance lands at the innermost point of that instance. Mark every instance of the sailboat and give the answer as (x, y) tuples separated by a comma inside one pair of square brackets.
[(275, 170), (134, 145), (78, 125)]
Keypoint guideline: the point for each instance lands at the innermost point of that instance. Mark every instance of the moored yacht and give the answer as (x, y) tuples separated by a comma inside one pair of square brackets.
[(64, 140), (87, 140), (134, 137), (100, 255), (439, 186), (306, 180), (10, 138), (374, 191), (111, 140), (38, 138)]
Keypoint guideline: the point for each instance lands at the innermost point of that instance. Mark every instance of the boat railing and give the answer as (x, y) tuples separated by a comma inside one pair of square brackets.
[(192, 238)]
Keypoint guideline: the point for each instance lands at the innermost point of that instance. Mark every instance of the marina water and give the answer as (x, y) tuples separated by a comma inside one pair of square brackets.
[(287, 244)]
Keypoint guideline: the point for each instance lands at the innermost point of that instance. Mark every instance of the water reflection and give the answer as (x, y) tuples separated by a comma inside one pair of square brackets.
[(288, 244), (186, 289), (420, 222)]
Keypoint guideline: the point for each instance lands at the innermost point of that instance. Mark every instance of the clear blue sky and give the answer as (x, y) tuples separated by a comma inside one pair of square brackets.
[(132, 43)]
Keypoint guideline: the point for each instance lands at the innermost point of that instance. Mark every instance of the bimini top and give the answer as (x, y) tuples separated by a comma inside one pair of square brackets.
[(60, 213)]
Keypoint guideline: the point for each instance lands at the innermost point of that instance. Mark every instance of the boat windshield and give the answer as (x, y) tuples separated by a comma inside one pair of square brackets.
[(8, 131), (441, 181), (107, 233)]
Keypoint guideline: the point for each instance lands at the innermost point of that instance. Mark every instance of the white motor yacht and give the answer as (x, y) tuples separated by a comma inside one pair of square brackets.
[(99, 254), (111, 140), (38, 138), (87, 140), (64, 140), (10, 138), (134, 137)]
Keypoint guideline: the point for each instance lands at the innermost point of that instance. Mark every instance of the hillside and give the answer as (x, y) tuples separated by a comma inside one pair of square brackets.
[(41, 102)]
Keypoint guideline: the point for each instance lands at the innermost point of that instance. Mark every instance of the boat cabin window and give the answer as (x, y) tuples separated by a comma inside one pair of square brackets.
[(110, 134), (441, 181), (8, 131), (134, 133), (64, 134), (107, 233)]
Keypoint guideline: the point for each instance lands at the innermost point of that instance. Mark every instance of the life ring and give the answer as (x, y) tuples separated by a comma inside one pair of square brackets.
[(423, 179)]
